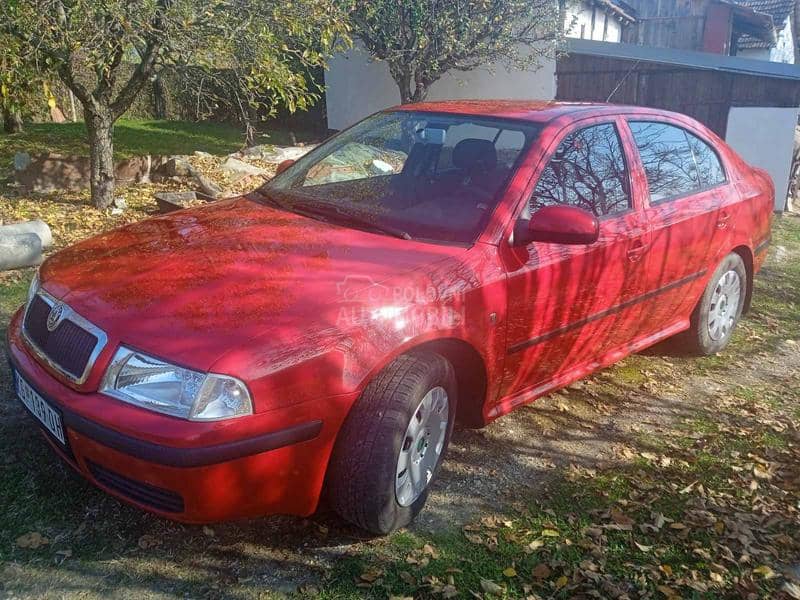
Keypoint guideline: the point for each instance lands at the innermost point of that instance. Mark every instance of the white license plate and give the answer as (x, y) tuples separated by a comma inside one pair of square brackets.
[(40, 409)]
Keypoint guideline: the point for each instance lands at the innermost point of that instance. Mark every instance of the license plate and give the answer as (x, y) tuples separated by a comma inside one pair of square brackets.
[(40, 408)]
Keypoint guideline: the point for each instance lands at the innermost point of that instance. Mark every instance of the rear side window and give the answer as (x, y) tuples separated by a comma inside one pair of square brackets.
[(709, 168), (676, 162), (587, 171)]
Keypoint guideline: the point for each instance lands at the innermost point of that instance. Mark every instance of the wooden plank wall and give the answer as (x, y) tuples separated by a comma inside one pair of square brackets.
[(703, 94)]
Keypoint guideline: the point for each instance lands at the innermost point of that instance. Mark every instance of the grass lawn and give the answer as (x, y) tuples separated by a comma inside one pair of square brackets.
[(702, 501)]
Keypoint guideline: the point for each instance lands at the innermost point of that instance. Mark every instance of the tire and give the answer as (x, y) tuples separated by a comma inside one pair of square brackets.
[(715, 316), (365, 485)]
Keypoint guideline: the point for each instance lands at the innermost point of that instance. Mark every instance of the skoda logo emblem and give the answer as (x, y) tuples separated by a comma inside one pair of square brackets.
[(55, 317)]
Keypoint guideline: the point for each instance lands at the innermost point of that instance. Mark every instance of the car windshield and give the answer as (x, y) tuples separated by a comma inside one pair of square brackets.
[(415, 175)]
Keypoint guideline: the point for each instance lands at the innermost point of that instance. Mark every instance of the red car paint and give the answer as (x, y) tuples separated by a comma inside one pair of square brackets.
[(306, 313)]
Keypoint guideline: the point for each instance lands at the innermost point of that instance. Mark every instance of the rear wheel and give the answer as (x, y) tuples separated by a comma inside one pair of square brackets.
[(720, 307), (392, 444)]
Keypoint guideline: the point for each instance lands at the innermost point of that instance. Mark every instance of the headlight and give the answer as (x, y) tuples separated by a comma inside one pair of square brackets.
[(153, 384), (33, 288)]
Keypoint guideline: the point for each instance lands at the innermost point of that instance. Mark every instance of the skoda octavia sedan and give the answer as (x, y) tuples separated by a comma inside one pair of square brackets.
[(435, 262)]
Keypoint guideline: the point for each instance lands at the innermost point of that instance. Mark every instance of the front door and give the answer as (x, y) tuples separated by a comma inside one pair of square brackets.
[(570, 305)]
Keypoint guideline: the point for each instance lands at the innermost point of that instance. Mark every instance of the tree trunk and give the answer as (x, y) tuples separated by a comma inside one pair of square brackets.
[(12, 121), (403, 79), (420, 93), (100, 127), (159, 98)]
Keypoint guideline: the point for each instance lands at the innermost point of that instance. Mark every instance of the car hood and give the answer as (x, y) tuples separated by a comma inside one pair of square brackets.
[(194, 284)]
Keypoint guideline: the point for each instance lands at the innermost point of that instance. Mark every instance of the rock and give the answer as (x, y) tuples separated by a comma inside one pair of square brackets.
[(170, 201), (256, 151), (202, 154), (120, 203), (21, 161), (139, 168), (39, 228), (239, 167), (20, 250), (177, 166), (207, 186), (53, 172)]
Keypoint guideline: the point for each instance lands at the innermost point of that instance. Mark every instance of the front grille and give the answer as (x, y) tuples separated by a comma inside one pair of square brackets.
[(143, 493), (68, 347)]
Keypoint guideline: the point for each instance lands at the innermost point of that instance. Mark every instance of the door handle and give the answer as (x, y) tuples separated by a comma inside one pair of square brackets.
[(637, 250), (722, 219)]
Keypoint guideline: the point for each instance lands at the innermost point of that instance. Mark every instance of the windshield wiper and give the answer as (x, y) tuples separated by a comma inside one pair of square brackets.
[(270, 199), (334, 213)]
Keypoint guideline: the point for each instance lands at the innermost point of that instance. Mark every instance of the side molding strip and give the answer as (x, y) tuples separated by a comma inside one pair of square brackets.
[(606, 313)]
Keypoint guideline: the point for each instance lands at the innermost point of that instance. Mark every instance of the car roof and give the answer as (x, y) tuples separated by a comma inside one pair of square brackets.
[(536, 111)]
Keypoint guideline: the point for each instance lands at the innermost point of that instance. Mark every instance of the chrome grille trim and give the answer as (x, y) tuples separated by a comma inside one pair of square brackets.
[(68, 315)]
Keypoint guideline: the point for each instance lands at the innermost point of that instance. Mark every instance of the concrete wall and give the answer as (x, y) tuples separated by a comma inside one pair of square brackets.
[(356, 86), (579, 22), (765, 138)]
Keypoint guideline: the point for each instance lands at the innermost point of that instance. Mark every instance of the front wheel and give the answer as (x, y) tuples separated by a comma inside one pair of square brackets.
[(720, 307), (392, 444)]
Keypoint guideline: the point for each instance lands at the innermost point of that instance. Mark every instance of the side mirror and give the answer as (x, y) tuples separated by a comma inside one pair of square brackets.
[(558, 225), (284, 165)]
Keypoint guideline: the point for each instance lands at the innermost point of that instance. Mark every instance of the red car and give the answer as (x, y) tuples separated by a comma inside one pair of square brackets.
[(435, 261)]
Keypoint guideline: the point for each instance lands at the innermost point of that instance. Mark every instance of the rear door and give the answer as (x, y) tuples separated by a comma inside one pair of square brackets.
[(568, 305), (688, 213)]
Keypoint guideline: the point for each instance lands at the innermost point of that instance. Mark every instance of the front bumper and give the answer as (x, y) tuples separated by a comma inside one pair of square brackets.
[(269, 463)]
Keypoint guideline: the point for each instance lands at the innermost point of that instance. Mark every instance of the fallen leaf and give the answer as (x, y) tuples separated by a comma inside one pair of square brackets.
[(430, 551), (371, 575), (534, 546), (668, 592), (408, 578), (761, 472), (510, 572), (148, 541), (561, 582), (550, 533), (32, 540), (541, 571), (490, 587), (792, 589), (764, 571)]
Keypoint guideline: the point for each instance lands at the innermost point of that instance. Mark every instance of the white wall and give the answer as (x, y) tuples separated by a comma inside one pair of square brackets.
[(765, 138), (579, 23), (783, 51), (356, 86)]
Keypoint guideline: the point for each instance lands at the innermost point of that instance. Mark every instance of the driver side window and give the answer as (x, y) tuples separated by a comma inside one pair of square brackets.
[(587, 171)]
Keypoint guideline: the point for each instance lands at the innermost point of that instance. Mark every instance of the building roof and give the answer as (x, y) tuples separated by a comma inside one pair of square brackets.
[(685, 58), (779, 10), (620, 9)]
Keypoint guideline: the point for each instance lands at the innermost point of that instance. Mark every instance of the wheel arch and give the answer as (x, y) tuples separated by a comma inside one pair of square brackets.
[(471, 376), (746, 255)]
